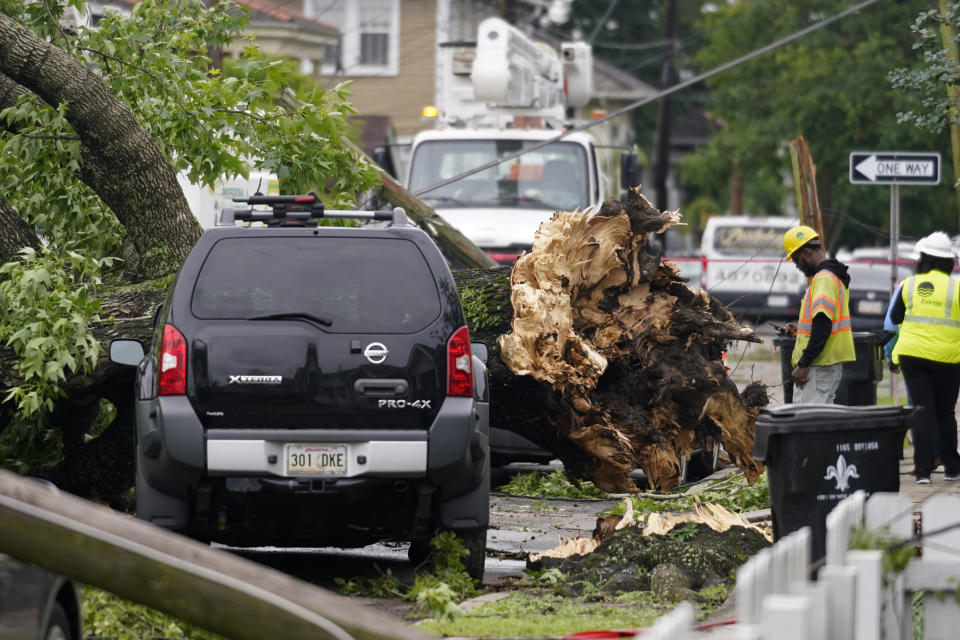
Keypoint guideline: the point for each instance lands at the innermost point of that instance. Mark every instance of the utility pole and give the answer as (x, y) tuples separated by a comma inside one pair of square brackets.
[(662, 163)]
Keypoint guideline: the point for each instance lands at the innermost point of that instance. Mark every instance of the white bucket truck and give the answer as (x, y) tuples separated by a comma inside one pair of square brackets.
[(495, 97)]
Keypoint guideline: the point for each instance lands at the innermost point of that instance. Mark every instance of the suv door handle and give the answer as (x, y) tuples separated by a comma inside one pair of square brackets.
[(381, 387)]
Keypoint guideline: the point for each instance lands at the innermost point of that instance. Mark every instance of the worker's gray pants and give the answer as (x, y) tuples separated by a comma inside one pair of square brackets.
[(821, 388)]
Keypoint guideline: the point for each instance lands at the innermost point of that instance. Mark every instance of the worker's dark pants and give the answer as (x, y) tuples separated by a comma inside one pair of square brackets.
[(933, 388)]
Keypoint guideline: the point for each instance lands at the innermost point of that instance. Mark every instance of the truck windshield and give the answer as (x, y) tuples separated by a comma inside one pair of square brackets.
[(755, 242), (554, 176)]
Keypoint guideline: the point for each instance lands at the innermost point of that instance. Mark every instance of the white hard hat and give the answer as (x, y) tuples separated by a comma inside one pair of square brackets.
[(937, 244)]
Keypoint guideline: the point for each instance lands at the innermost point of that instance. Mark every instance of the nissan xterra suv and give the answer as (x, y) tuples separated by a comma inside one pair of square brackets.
[(312, 385)]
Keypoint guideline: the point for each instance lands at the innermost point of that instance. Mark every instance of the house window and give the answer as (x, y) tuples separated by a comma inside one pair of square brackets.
[(370, 36)]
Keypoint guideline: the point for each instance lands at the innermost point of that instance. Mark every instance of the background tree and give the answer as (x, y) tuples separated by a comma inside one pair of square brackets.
[(93, 129), (831, 87), (630, 35), (934, 82)]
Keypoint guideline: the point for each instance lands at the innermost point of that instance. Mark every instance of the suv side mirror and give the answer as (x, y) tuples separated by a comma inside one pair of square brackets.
[(629, 173), (126, 352), (479, 349)]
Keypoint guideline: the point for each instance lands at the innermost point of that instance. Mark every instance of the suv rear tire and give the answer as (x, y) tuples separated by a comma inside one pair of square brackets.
[(475, 541)]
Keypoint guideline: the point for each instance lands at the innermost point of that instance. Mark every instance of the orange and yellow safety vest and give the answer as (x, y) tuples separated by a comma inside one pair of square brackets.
[(826, 294)]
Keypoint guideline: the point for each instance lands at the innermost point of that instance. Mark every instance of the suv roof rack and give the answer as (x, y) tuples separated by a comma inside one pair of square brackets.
[(297, 210)]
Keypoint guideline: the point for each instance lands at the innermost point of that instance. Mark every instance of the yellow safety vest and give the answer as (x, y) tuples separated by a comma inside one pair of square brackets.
[(826, 294), (931, 324)]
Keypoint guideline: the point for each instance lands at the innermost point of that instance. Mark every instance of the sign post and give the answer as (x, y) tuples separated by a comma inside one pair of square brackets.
[(894, 168)]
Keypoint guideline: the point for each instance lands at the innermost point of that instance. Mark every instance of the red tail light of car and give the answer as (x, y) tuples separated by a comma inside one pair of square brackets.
[(173, 363), (459, 365)]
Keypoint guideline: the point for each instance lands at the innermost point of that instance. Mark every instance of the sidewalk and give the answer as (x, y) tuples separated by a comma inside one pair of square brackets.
[(917, 493)]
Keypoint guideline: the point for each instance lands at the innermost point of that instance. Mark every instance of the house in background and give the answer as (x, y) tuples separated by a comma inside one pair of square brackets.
[(281, 29)]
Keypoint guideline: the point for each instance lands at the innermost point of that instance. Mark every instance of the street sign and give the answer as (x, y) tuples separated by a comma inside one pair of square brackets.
[(894, 167)]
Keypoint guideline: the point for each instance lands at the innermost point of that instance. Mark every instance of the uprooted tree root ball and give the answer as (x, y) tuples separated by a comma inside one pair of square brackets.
[(674, 565), (610, 361)]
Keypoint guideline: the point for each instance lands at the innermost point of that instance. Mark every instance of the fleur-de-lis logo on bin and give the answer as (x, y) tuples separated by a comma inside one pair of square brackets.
[(842, 473)]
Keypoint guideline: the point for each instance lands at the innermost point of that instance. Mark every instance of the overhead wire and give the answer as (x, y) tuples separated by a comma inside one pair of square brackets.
[(657, 96)]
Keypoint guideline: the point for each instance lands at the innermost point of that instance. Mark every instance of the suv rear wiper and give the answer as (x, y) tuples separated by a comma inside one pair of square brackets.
[(307, 317)]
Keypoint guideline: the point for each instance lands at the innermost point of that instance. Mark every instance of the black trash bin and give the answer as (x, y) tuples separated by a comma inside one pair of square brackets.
[(818, 454), (858, 384)]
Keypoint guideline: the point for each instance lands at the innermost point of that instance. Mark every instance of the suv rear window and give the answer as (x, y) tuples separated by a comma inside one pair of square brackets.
[(361, 285)]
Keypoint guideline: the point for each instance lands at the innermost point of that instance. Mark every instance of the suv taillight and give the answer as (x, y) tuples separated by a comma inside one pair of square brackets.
[(459, 365), (173, 363)]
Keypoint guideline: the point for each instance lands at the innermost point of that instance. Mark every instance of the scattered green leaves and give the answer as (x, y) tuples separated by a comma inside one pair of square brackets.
[(553, 485), (731, 492), (437, 590), (683, 531), (107, 616)]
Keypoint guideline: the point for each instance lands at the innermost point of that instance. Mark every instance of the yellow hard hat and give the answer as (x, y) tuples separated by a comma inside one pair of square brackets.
[(796, 238)]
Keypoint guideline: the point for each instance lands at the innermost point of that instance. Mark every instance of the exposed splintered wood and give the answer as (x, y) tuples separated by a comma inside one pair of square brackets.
[(624, 357)]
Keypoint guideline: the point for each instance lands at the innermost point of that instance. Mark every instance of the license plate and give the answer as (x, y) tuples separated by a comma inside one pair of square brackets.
[(316, 459), (777, 301), (873, 307)]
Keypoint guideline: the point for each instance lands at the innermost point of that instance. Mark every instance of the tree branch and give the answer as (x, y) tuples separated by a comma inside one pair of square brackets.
[(153, 77), (122, 163)]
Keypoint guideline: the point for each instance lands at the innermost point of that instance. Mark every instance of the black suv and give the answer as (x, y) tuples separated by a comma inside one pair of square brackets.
[(312, 385)]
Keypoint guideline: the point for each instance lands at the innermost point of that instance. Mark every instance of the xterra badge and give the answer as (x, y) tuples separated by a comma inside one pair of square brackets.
[(255, 379), (404, 404)]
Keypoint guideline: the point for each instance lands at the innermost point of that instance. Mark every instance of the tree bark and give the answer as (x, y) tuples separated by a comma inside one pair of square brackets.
[(16, 234), (124, 166)]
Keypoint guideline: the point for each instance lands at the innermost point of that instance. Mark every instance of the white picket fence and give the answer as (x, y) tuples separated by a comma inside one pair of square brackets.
[(851, 599)]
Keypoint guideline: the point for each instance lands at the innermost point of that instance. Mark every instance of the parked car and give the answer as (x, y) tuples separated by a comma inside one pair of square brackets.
[(37, 604), (312, 386), (870, 290)]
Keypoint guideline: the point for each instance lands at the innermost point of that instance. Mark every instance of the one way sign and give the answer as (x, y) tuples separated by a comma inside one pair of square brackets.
[(894, 167)]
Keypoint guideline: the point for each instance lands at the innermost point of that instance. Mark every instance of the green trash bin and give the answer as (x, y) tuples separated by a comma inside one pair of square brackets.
[(858, 384), (818, 454)]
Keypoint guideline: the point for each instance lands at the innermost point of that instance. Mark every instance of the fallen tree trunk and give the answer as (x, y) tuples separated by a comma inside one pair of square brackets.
[(598, 352), (601, 354)]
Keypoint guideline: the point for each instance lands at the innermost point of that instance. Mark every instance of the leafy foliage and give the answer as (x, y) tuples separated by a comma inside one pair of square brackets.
[(732, 492), (208, 123), (47, 301), (40, 160), (895, 556), (938, 106), (107, 616), (553, 485), (830, 87), (683, 532), (437, 590)]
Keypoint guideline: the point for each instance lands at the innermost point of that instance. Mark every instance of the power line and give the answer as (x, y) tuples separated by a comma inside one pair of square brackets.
[(666, 92)]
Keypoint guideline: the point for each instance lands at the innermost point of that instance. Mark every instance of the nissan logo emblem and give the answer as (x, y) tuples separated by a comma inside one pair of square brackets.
[(376, 352)]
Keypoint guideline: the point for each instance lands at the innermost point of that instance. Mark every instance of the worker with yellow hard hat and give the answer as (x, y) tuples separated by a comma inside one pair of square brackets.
[(823, 331), (928, 353)]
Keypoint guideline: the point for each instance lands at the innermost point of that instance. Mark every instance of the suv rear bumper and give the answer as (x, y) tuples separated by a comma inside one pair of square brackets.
[(181, 460), (383, 458)]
